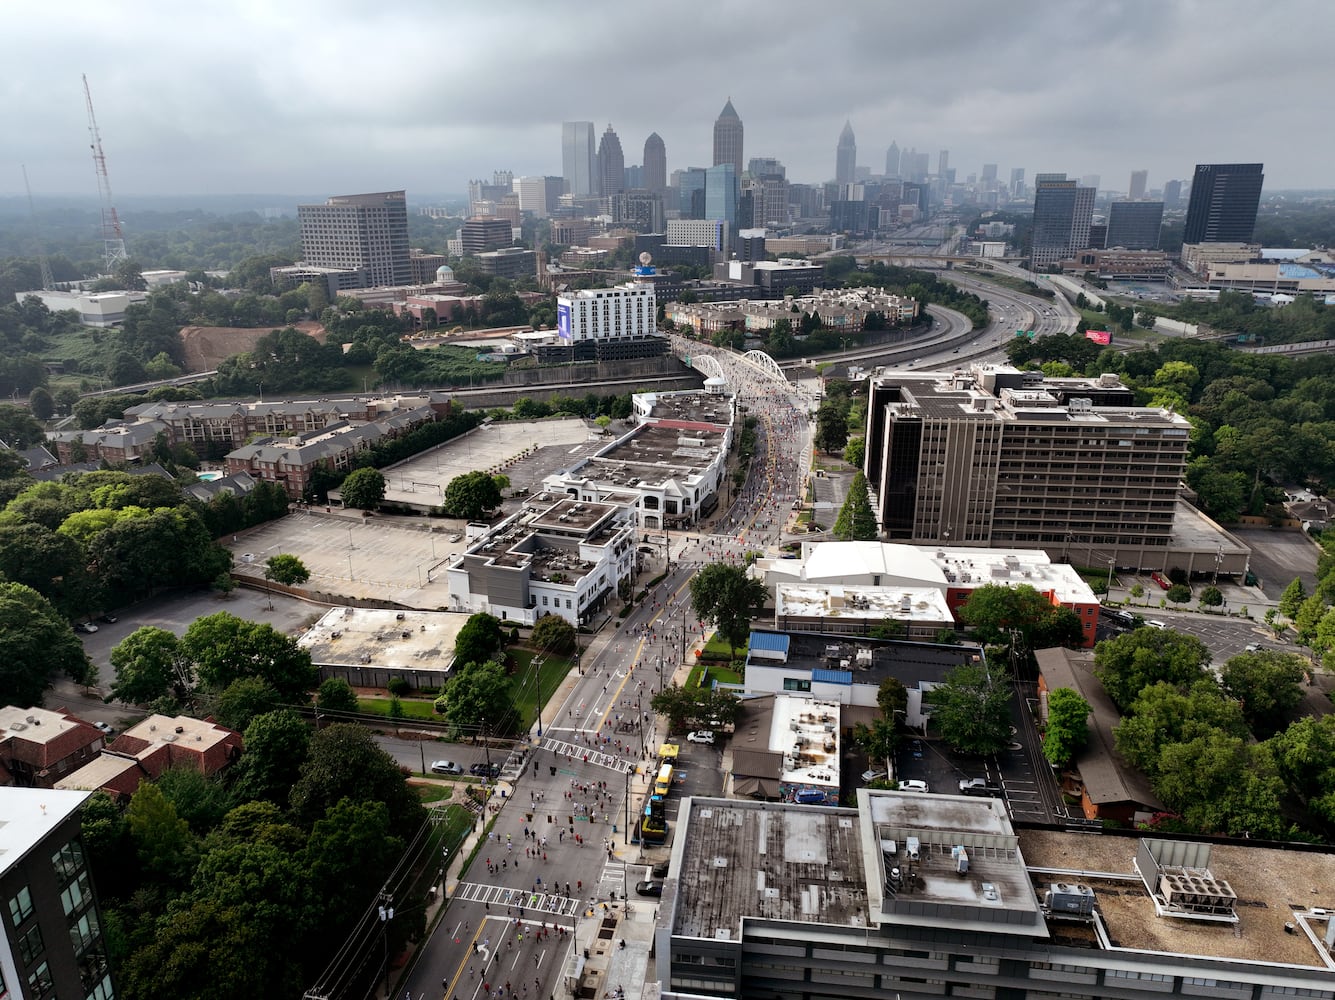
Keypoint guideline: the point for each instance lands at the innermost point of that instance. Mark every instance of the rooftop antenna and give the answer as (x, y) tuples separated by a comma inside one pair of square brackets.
[(113, 237), (47, 283)]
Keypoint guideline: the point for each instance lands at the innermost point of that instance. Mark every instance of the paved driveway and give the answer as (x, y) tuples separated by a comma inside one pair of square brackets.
[(1278, 556)]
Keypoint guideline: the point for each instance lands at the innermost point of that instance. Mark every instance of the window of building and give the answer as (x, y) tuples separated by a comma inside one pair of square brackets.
[(68, 861), (544, 602), (30, 944), (39, 980), (796, 684), (20, 906)]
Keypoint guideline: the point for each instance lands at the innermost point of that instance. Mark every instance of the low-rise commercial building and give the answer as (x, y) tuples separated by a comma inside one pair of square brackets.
[(368, 646), (100, 309), (773, 279), (1121, 265), (921, 895), (558, 555)]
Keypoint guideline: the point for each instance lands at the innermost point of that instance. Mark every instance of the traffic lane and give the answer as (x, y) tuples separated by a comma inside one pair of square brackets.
[(522, 955)]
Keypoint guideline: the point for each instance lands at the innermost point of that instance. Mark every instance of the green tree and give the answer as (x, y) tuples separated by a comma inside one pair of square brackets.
[(35, 643), (363, 489), (555, 634), (149, 665), (1067, 731), (471, 496), (972, 709), (225, 648), (276, 747), (994, 610), (1133, 661), (892, 697), (831, 427), (41, 404), (879, 740), (727, 597), (51, 563), (336, 695), (1292, 598), (345, 762), (1221, 785), (479, 639), (239, 703), (677, 705), (200, 799), (855, 451), (479, 695), (1211, 597), (350, 852), (165, 846), (286, 569), (856, 521), (1304, 754), (1178, 593), (1308, 617), (1268, 685), (1164, 714)]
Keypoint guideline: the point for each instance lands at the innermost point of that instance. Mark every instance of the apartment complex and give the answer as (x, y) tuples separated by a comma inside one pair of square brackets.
[(845, 310), (38, 746), (917, 895), (558, 555), (625, 312), (992, 456), (365, 233), (52, 944)]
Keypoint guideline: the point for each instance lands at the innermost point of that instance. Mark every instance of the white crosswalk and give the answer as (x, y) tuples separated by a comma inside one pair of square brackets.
[(574, 752), (538, 902)]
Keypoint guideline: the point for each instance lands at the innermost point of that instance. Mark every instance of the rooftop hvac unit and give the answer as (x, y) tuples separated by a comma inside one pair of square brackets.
[(1069, 898), (913, 848), (961, 858)]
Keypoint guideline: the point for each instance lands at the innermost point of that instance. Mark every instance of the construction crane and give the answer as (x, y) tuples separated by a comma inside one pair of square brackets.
[(47, 283), (113, 237)]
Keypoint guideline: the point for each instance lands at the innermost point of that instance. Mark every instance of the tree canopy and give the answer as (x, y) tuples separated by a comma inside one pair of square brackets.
[(225, 648), (1133, 661), (972, 709), (995, 609), (555, 634), (471, 496), (726, 596), (363, 489), (479, 639), (856, 521), (478, 696), (35, 643), (1267, 684), (1067, 730)]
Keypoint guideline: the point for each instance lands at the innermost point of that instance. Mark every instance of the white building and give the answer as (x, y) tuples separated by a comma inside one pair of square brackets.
[(712, 233), (101, 309), (627, 312), (558, 555)]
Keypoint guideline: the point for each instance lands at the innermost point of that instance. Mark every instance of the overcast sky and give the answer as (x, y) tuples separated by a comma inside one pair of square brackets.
[(342, 96)]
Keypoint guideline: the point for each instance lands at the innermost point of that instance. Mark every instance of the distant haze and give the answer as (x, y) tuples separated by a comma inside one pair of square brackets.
[(339, 97)]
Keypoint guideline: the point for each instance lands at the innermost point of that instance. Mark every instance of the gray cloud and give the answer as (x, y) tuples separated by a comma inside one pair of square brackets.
[(310, 97)]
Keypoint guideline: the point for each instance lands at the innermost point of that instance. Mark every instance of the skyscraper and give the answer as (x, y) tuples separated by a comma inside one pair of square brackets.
[(1224, 197), (655, 164), (892, 160), (1134, 225), (721, 194), (1017, 182), (691, 187), (989, 174), (611, 164), (577, 158), (1138, 180), (942, 162), (1172, 194), (846, 157), (359, 232), (728, 139), (1062, 213)]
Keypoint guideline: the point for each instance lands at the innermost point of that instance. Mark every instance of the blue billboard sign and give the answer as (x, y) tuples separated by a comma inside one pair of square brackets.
[(563, 320)]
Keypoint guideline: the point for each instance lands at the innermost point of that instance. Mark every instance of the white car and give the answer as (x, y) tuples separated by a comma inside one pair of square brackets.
[(873, 775), (913, 785), (445, 767), (702, 736), (1155, 623)]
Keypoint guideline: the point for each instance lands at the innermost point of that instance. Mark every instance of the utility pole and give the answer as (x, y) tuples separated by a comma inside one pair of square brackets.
[(386, 911)]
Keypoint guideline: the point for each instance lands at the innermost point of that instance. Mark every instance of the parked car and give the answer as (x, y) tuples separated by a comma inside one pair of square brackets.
[(978, 786), (104, 728), (87, 627), (110, 619), (873, 775), (445, 767), (915, 748), (482, 770), (649, 888), (701, 736), (1161, 580), (660, 870), (913, 785), (1155, 623)]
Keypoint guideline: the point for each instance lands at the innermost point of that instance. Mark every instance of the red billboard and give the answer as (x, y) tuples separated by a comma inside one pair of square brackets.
[(1099, 336)]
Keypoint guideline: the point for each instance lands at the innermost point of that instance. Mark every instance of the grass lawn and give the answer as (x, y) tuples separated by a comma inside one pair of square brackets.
[(550, 676), (413, 708), (433, 793), (717, 648)]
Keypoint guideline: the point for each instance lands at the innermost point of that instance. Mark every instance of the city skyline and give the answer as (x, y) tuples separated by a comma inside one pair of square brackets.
[(243, 100)]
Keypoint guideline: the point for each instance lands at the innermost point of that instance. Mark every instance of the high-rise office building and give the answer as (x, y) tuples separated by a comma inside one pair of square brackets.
[(655, 164), (577, 159), (52, 943), (482, 234), (691, 189), (765, 166), (1063, 211), (942, 162), (1224, 198), (892, 160), (728, 139), (989, 178), (367, 232), (532, 193), (1090, 181), (721, 194), (769, 193), (611, 164), (1172, 194), (1017, 182), (1139, 178), (1000, 457), (1134, 225), (846, 156)]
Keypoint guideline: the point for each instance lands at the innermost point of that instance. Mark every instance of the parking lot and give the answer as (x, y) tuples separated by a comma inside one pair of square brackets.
[(1278, 556)]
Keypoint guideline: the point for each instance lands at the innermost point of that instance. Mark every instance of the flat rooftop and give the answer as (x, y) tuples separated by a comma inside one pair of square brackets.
[(566, 514), (904, 604), (911, 662), (408, 640), (29, 815), (36, 725), (704, 407), (754, 859), (1011, 567), (1272, 886), (806, 732), (654, 452), (945, 861), (160, 730)]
